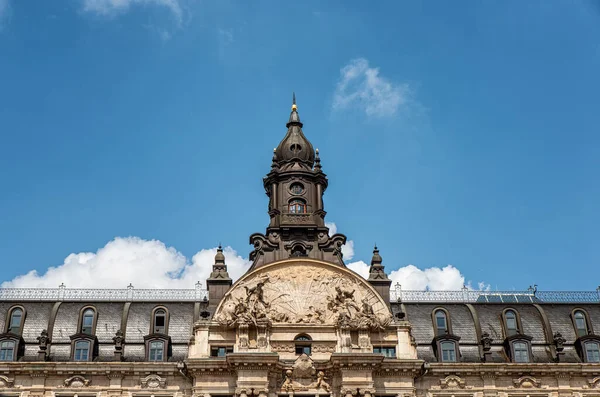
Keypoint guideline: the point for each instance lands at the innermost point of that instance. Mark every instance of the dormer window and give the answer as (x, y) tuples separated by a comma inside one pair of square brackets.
[(441, 322), (82, 350), (16, 321), (297, 206), (511, 323), (87, 321), (592, 352), (581, 323), (521, 352), (160, 321), (7, 350)]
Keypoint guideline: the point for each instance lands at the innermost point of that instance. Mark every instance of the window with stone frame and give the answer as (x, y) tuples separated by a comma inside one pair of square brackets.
[(12, 345), (387, 351), (87, 321), (297, 206), (220, 351), (303, 344)]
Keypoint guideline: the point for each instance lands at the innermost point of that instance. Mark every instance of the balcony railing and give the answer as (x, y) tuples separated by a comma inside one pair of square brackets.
[(531, 295), (128, 294)]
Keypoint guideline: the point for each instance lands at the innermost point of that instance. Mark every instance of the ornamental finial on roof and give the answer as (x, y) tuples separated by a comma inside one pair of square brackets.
[(294, 107)]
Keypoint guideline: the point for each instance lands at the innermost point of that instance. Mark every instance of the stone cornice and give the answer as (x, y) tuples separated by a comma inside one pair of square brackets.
[(37, 368), (357, 361), (500, 369)]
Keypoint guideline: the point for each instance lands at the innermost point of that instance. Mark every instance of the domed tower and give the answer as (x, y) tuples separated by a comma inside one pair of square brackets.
[(295, 187)]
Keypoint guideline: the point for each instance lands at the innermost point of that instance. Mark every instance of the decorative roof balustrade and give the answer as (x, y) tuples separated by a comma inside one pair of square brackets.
[(128, 294), (198, 294), (531, 295)]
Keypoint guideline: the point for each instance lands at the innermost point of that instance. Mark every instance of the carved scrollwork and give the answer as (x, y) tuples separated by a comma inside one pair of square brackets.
[(452, 382), (76, 381), (6, 381), (153, 381), (526, 382)]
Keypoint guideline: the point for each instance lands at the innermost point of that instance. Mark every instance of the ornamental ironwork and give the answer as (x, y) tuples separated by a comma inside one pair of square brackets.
[(128, 294), (466, 295)]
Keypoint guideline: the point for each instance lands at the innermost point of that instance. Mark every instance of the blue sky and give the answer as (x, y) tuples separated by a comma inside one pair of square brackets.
[(135, 134)]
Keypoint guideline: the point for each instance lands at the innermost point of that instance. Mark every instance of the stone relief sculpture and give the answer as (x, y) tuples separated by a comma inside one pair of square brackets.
[(306, 294), (304, 377)]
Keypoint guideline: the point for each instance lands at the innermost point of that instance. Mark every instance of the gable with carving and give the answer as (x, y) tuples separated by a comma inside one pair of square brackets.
[(303, 291)]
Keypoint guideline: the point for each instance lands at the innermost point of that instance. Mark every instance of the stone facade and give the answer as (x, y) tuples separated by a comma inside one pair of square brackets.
[(298, 323)]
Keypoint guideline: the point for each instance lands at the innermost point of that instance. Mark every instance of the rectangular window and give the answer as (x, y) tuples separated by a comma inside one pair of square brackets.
[(448, 352), (592, 352), (220, 351), (156, 351), (159, 326), (302, 350), (521, 352), (86, 324), (387, 351), (82, 350), (7, 350)]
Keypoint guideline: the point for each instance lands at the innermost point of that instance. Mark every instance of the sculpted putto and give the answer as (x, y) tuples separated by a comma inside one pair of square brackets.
[(303, 294)]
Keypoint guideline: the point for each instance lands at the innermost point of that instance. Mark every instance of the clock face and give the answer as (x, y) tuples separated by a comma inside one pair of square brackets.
[(296, 188)]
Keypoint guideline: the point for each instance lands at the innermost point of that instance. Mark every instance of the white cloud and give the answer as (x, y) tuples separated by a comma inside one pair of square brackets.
[(361, 86), (112, 7), (348, 248), (151, 264), (145, 263)]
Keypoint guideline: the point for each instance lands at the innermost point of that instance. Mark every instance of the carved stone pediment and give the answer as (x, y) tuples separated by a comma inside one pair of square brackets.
[(303, 291), (77, 381)]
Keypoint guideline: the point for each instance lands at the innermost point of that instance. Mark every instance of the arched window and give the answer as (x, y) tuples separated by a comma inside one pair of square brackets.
[(15, 321), (511, 322), (297, 206), (441, 322), (303, 344), (87, 321), (82, 350), (7, 350), (160, 321), (581, 323)]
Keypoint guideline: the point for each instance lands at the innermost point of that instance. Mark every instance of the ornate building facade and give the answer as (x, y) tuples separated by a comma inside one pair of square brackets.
[(298, 323)]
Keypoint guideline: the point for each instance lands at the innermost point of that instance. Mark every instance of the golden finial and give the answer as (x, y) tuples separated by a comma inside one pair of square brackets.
[(294, 107)]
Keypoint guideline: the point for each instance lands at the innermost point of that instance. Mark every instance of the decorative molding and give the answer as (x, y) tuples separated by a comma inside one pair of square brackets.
[(594, 383), (526, 382), (76, 381), (153, 381), (6, 381), (452, 382)]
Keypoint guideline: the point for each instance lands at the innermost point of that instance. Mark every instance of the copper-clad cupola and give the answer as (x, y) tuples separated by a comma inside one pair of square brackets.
[(294, 149)]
